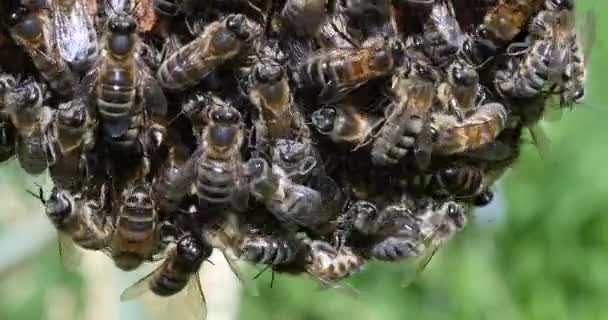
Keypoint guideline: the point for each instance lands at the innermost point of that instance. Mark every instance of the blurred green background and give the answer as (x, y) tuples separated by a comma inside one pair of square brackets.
[(540, 253)]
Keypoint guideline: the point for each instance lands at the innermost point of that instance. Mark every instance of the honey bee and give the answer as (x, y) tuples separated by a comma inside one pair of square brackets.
[(217, 168), (7, 138), (72, 132), (74, 33), (442, 36), (506, 19), (344, 124), (32, 32), (337, 72), (459, 92), (329, 265), (135, 238), (221, 41), (271, 95), (292, 204), (31, 120), (304, 17), (79, 220), (479, 129), (177, 273), (407, 124), (457, 181), (167, 187), (124, 90), (269, 249), (297, 158), (438, 223)]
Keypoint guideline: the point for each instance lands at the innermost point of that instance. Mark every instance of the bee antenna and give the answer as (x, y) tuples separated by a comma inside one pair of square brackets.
[(261, 272), (39, 195)]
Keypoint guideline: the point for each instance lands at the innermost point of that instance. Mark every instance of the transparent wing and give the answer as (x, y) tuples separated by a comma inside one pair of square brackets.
[(71, 256), (413, 271), (540, 139), (72, 27), (588, 34), (195, 298), (247, 281), (138, 288), (155, 101)]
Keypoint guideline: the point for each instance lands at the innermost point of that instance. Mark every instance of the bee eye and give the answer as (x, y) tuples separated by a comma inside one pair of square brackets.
[(28, 27)]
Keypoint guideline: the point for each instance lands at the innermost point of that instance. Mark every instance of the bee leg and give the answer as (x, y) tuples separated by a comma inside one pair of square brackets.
[(394, 248)]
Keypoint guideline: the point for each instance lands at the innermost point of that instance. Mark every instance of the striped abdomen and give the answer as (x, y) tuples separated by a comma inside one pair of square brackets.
[(116, 98), (475, 131), (216, 180)]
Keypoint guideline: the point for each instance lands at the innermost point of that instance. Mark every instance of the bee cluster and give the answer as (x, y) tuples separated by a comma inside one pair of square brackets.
[(307, 136)]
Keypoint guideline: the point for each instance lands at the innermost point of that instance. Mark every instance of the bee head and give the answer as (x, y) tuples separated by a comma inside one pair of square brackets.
[(255, 167), (138, 198), (225, 115), (268, 72), (58, 207), (424, 71), (455, 213), (237, 23), (122, 28), (7, 83), (462, 74), (223, 132), (192, 251), (70, 115), (323, 119)]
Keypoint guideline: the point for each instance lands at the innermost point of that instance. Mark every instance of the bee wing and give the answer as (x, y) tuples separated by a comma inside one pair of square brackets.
[(71, 256), (553, 109), (588, 32), (419, 265), (195, 298), (72, 28), (155, 101), (540, 139), (248, 282), (424, 145), (138, 288)]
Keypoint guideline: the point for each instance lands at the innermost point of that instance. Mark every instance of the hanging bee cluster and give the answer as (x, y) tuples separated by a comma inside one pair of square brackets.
[(309, 136)]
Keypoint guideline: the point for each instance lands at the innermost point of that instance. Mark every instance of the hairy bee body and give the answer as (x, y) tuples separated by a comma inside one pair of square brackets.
[(135, 238), (31, 120), (407, 119), (477, 130), (343, 124), (82, 219), (75, 33), (329, 265), (219, 42), (291, 203), (31, 31), (72, 134), (218, 178), (458, 93), (336, 72), (304, 16)]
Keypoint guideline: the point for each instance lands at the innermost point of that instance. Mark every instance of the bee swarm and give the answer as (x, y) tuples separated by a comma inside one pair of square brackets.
[(307, 136)]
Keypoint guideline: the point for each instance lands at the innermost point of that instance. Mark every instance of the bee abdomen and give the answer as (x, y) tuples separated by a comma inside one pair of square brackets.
[(32, 154), (178, 73), (169, 283)]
